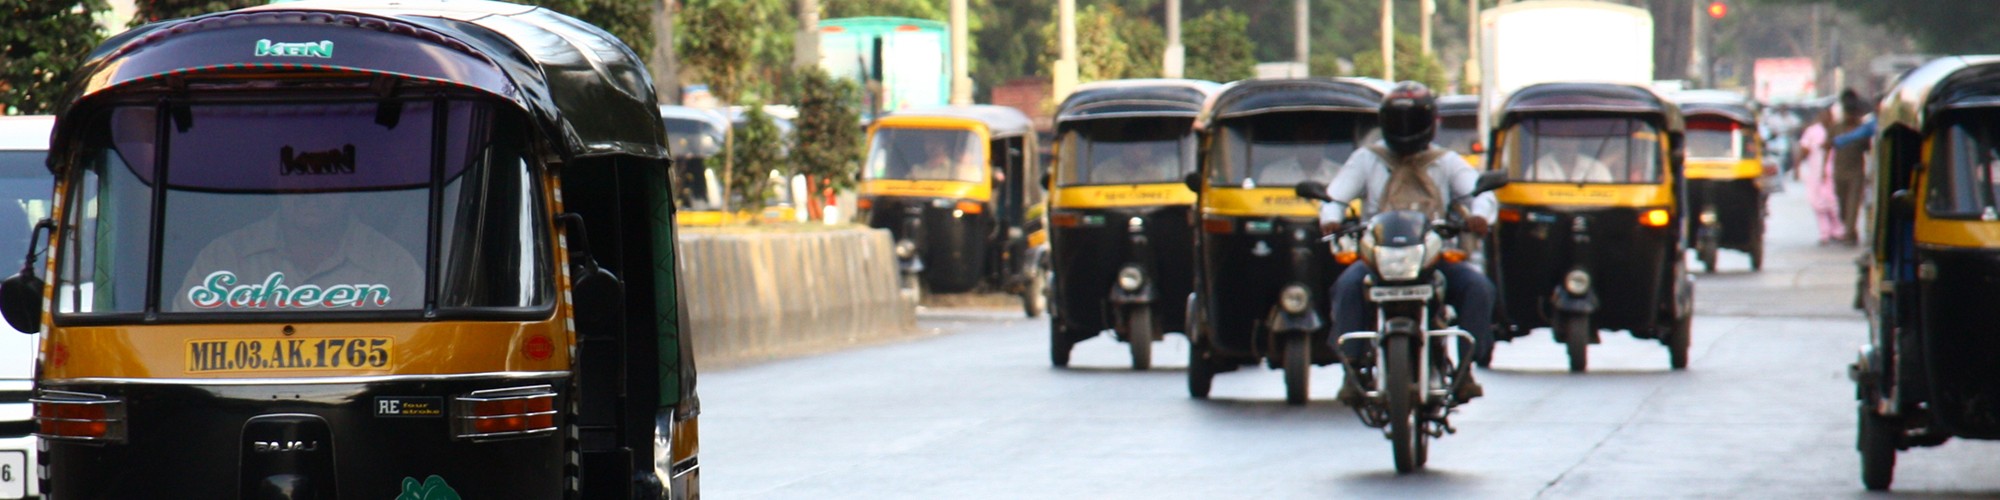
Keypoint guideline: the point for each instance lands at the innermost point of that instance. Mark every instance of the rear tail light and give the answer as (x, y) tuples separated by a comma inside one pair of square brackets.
[(971, 207), (79, 416), (1454, 256), (1218, 226), (504, 413), (1063, 220), (1657, 217), (1510, 215), (864, 203)]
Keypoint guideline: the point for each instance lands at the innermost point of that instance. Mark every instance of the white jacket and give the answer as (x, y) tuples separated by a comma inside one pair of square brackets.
[(1369, 174)]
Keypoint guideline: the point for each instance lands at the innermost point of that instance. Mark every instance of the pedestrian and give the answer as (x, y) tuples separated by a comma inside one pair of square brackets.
[(1850, 164), (1816, 173)]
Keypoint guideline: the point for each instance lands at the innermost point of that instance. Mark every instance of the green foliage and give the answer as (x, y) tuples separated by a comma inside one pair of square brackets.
[(629, 20), (1939, 26), (757, 154), (828, 130), (1110, 44), (714, 41), (41, 43), (936, 10), (150, 11), (1410, 64), (1218, 46)]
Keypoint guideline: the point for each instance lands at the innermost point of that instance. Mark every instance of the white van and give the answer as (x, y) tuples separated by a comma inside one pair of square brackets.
[(25, 187)]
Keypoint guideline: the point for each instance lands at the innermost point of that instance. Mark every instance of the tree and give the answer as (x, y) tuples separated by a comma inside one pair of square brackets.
[(714, 40), (152, 11), (1218, 46), (828, 132), (1939, 26), (1110, 44), (757, 154), (629, 20), (1410, 63), (41, 43)]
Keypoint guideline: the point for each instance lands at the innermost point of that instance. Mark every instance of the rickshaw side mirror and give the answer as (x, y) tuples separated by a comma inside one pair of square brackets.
[(1193, 181), (1902, 199), (1489, 181), (1312, 190), (21, 301)]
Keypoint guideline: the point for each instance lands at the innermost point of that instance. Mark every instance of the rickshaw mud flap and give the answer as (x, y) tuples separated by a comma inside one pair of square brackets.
[(913, 265), (1123, 297), (1285, 323), (1571, 304)]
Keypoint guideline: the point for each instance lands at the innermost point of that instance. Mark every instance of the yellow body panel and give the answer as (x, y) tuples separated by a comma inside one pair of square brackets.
[(1590, 195), (718, 218), (1725, 169), (1129, 195), (161, 351), (957, 190), (1257, 202), (1038, 238)]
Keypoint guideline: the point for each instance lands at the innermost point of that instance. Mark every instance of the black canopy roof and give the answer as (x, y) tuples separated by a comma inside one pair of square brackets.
[(1718, 103), (1132, 98), (1591, 98), (588, 93), (1252, 97), (1458, 105), (1956, 82)]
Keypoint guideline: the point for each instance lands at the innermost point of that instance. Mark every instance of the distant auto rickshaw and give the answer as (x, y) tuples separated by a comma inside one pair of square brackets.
[(336, 250), (25, 188), (1120, 209), (1458, 128), (1262, 275), (1927, 374), (1726, 185), (697, 137), (1590, 235), (951, 186)]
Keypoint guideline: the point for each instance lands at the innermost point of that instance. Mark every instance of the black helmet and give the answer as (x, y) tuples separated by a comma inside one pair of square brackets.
[(1409, 118)]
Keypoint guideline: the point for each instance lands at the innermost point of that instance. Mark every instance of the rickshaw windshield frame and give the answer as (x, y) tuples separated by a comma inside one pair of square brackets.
[(1093, 151), (1964, 153), (1587, 132), (1236, 149), (462, 258), (964, 152)]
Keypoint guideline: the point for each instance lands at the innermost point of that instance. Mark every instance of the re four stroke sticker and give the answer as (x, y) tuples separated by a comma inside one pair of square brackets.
[(247, 355)]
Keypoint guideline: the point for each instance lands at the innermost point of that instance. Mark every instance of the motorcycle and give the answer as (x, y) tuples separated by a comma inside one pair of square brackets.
[(1408, 374)]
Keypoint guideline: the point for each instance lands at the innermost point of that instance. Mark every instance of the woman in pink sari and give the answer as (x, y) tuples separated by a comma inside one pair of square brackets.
[(1816, 172)]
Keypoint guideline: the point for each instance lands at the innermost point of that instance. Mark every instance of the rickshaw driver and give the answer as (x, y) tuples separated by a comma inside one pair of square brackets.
[(293, 259), (1136, 163), (1409, 121), (1565, 162), (1308, 161)]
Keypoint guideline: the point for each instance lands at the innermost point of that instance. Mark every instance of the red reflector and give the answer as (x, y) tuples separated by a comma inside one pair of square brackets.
[(66, 428), (92, 419), (516, 423), (1063, 220), (513, 406), (971, 207), (70, 411), (538, 347), (504, 414), (864, 203), (1218, 226), (1510, 215)]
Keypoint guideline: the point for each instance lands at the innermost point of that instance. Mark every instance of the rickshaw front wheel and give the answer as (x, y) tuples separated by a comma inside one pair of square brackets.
[(1059, 345), (1298, 368), (1574, 330), (1679, 337), (1878, 447), (1139, 335), (1200, 375)]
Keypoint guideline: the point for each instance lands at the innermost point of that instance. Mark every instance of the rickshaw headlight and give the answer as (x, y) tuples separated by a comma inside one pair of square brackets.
[(1131, 278), (1402, 263), (1577, 282), (1708, 217), (1136, 225), (1294, 299), (905, 249)]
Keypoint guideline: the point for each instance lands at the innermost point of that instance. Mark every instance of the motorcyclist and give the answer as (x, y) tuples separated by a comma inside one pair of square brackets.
[(1406, 172)]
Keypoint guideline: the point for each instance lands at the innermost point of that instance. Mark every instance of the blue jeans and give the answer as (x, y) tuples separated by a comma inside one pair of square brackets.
[(1466, 289)]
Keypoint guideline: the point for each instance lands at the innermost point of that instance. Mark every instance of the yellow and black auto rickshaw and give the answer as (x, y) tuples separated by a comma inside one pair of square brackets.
[(1590, 235), (951, 185), (1119, 209), (697, 137), (1927, 374), (1725, 175), (1262, 275), (1458, 128), (338, 250)]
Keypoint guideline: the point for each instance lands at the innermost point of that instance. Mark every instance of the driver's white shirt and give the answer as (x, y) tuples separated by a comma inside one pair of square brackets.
[(1584, 168), (1368, 174)]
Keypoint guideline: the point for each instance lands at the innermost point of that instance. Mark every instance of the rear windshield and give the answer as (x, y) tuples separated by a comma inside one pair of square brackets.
[(1711, 139), (1127, 151), (1457, 133), (1284, 149), (1583, 150)]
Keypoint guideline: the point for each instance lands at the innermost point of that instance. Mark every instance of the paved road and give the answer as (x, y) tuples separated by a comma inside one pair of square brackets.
[(974, 411)]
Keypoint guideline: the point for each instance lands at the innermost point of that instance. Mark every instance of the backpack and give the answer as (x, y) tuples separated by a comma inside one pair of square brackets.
[(1410, 186)]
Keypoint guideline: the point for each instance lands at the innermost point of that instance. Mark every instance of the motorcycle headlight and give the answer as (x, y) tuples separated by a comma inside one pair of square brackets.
[(1136, 225), (1577, 282), (905, 249), (1708, 217), (1402, 263), (1131, 278), (1294, 299)]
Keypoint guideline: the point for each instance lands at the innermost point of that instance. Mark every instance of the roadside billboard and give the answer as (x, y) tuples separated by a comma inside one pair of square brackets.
[(1786, 79)]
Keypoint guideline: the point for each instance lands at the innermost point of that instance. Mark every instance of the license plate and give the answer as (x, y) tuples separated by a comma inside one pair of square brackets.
[(1399, 293), (13, 474), (251, 355)]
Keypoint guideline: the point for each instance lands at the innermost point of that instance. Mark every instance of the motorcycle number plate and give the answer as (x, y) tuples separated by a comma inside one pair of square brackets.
[(1399, 293)]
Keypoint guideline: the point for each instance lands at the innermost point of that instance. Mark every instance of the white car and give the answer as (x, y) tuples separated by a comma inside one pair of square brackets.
[(25, 187)]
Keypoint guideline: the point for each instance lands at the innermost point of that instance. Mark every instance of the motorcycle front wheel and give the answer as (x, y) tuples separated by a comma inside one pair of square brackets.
[(1406, 434)]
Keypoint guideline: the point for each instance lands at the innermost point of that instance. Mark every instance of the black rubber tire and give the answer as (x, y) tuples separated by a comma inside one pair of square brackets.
[(912, 288), (1575, 332), (1200, 375), (1877, 444), (1298, 368), (1398, 377), (1034, 297), (1708, 258), (1059, 344), (1138, 335), (1679, 337), (1757, 255)]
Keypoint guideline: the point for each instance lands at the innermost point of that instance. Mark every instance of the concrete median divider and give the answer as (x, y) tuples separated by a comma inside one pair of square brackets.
[(755, 293)]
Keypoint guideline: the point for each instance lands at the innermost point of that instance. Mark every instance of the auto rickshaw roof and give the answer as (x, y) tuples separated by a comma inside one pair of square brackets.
[(1252, 97), (1579, 97), (1955, 82), (588, 93), (1001, 121), (1458, 105), (1137, 97), (1724, 104)]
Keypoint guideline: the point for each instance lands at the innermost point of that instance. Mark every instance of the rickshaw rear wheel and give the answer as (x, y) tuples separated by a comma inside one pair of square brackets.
[(1757, 255), (1035, 297), (1200, 375), (1708, 256), (1139, 335), (1679, 338), (1878, 447), (1575, 332), (1059, 344), (1298, 368), (1397, 379)]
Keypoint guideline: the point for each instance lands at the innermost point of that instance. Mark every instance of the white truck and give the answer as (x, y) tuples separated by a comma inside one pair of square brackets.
[(25, 187), (1525, 43)]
